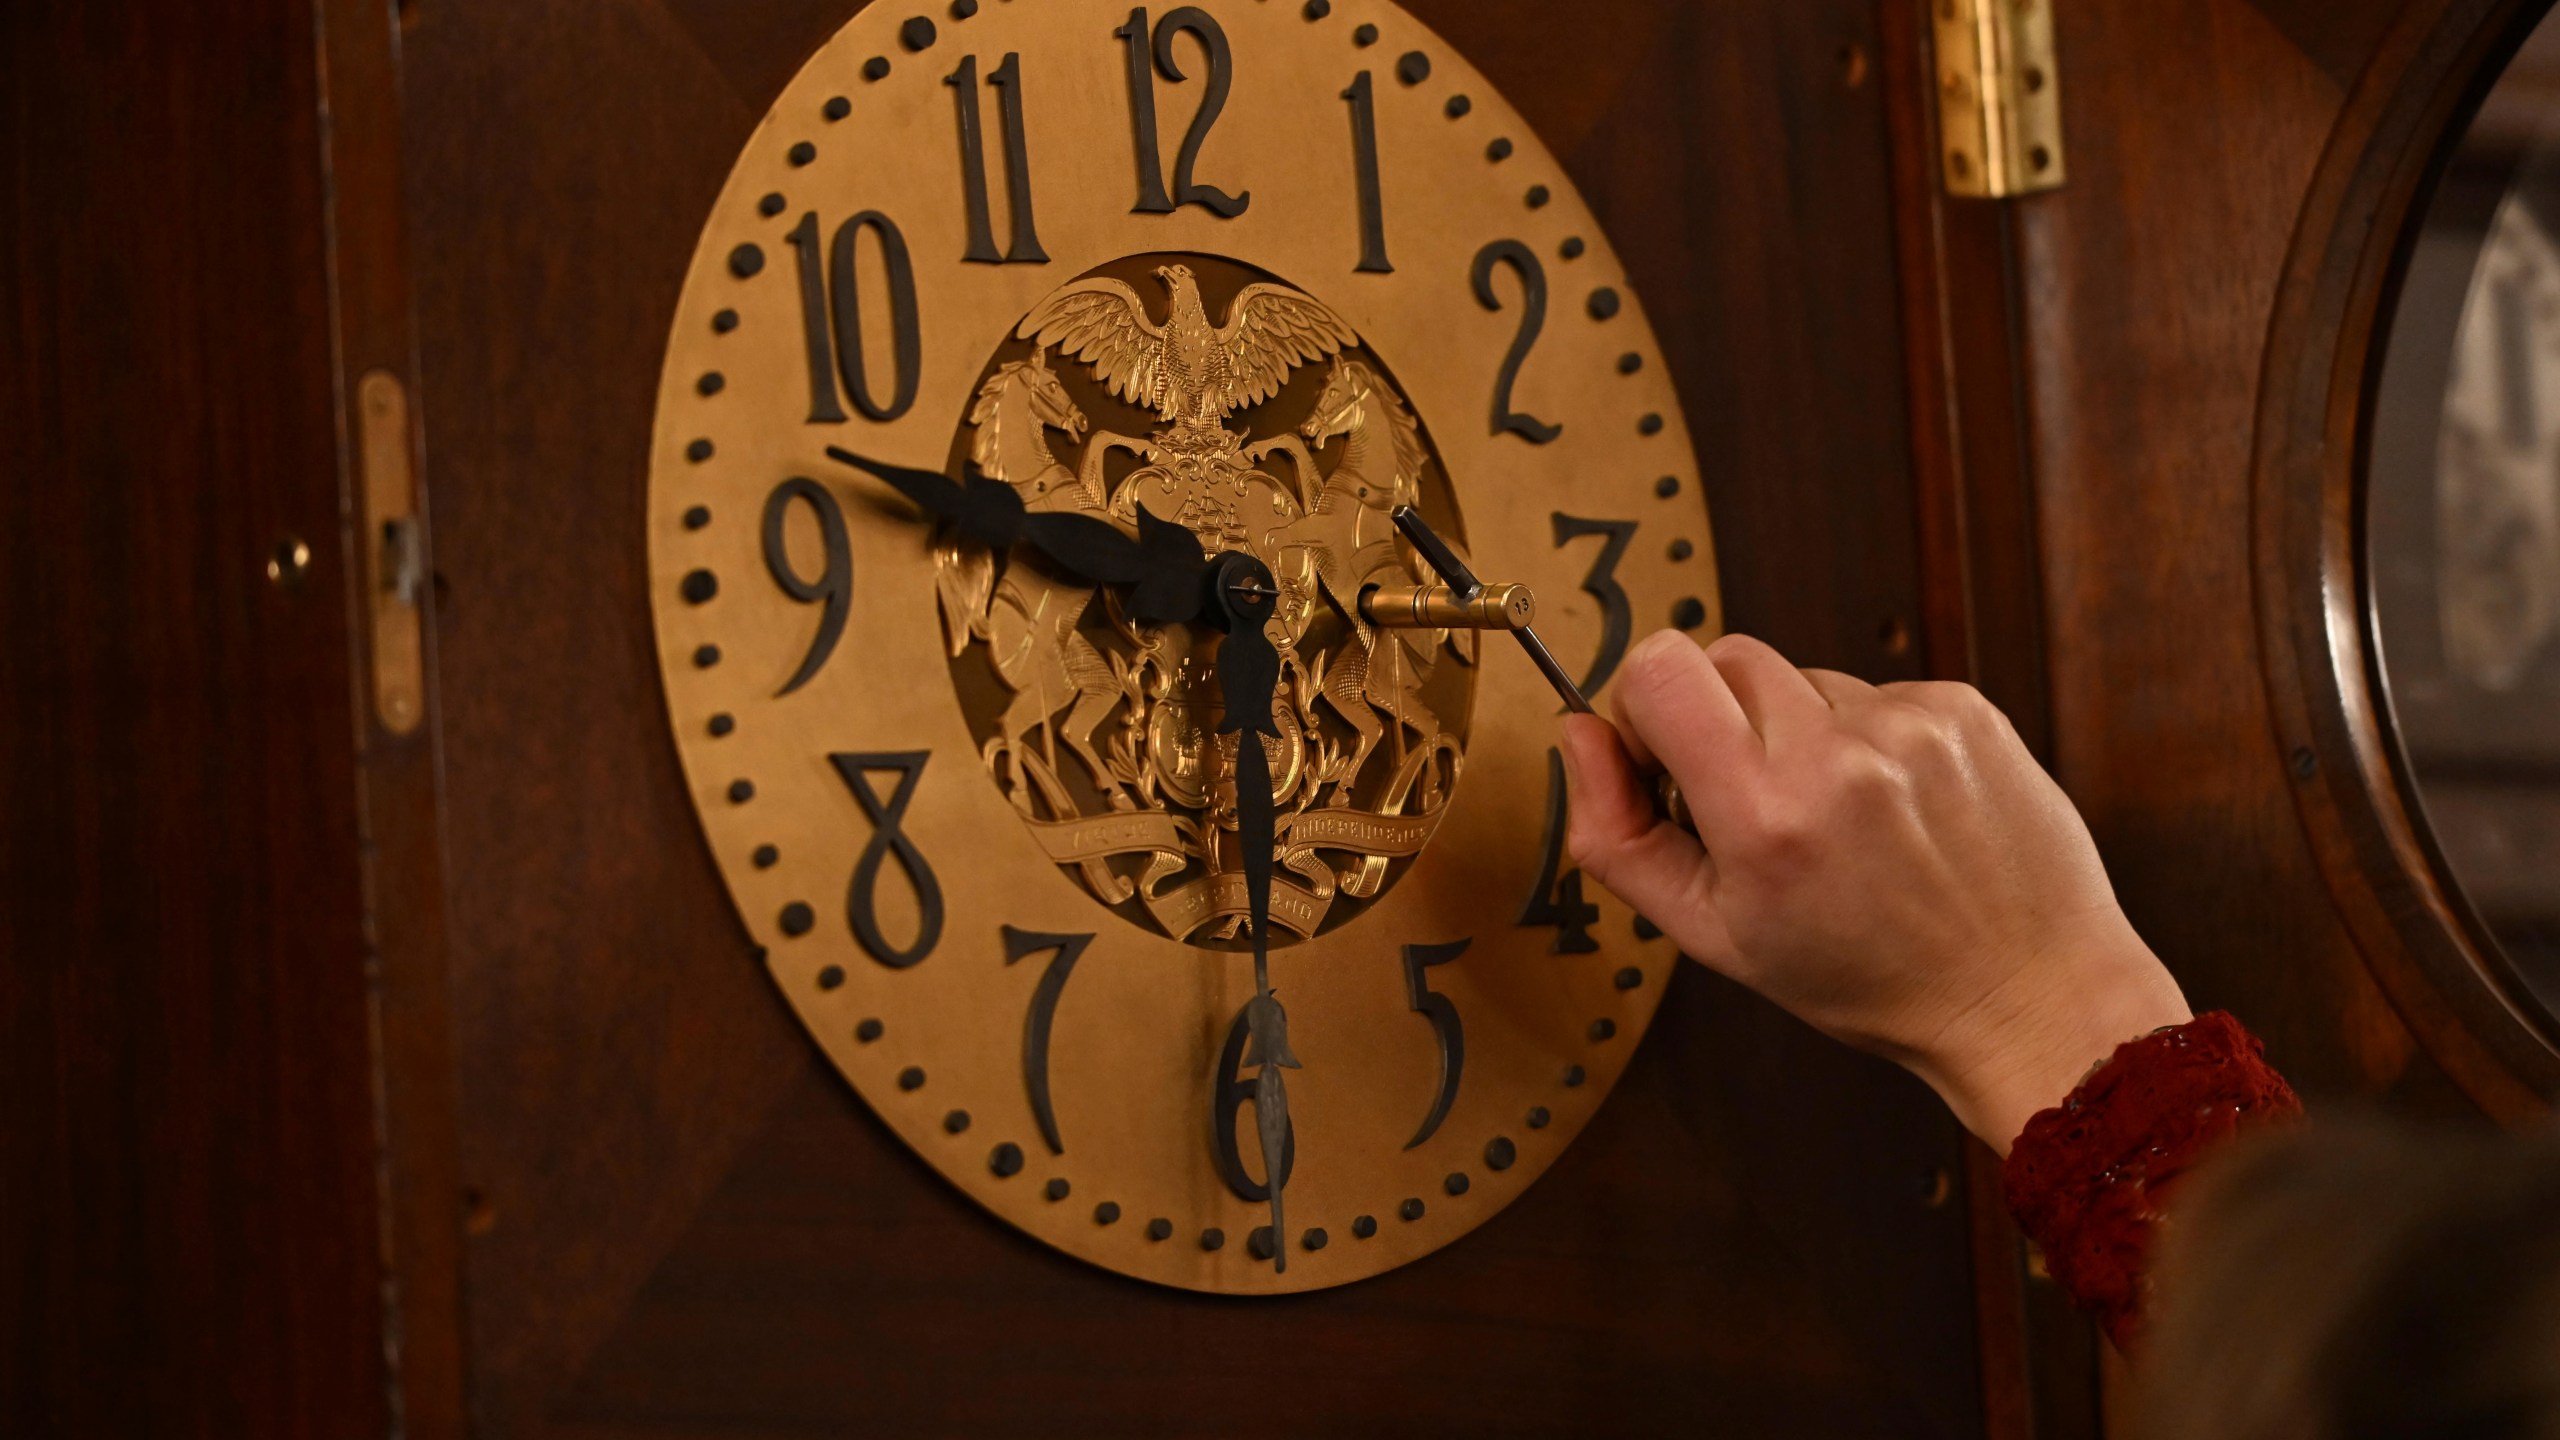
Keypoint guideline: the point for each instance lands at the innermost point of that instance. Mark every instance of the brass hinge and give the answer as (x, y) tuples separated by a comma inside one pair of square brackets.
[(395, 557), (1999, 100)]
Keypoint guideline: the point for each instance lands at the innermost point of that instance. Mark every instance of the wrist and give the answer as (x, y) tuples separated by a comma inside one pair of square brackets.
[(2037, 1049)]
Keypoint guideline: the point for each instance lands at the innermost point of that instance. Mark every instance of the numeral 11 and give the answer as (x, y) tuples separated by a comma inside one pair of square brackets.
[(1007, 78)]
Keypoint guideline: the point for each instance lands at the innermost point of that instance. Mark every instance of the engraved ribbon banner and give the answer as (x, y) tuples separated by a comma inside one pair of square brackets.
[(1186, 908), (1395, 836), (1072, 842)]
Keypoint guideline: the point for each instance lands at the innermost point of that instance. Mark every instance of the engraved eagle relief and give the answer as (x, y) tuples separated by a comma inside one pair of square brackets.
[(1102, 733)]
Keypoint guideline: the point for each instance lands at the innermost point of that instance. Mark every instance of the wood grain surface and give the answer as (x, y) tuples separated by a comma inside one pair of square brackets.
[(261, 970), (188, 1243), (2196, 127), (688, 1227)]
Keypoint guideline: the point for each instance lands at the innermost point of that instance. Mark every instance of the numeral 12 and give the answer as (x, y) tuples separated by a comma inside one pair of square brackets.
[(1152, 199)]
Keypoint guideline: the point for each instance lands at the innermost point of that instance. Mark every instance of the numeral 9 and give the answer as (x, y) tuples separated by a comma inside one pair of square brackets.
[(834, 585)]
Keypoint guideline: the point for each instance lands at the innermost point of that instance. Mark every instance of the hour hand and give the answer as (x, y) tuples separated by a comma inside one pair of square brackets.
[(1162, 568)]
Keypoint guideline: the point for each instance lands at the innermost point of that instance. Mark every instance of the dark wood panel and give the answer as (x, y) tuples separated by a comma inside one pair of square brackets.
[(187, 1183), (2195, 127), (1982, 623), (1646, 1286), (685, 1225)]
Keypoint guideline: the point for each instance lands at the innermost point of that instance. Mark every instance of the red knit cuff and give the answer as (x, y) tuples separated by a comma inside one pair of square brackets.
[(2089, 1180)]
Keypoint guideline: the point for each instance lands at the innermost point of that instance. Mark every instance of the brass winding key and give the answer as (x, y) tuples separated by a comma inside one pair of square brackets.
[(1464, 602)]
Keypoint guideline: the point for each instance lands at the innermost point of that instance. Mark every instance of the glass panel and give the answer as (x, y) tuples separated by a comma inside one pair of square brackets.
[(2463, 515)]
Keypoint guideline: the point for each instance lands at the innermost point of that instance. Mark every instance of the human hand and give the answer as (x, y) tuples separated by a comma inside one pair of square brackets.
[(1888, 864)]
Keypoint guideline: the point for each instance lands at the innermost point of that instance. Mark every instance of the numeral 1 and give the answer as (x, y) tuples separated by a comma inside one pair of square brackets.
[(1364, 155), (1559, 902), (823, 406), (1007, 78)]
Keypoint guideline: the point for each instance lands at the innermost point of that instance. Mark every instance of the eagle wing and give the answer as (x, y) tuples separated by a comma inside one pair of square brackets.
[(1103, 323), (1272, 330)]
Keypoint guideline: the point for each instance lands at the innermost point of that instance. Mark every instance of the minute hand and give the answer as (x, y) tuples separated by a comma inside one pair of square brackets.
[(1244, 597)]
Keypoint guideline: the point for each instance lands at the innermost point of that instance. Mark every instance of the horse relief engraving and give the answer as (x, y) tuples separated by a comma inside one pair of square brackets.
[(1250, 413)]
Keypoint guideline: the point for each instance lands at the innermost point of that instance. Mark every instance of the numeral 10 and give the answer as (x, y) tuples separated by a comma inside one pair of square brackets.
[(830, 292)]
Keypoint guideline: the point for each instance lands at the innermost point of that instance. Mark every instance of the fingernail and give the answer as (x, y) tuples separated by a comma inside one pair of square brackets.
[(1658, 643)]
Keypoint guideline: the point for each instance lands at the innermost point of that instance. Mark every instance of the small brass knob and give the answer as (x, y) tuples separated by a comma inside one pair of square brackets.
[(1438, 607)]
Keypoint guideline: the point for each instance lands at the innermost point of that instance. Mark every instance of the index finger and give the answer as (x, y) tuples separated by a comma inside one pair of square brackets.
[(1676, 704)]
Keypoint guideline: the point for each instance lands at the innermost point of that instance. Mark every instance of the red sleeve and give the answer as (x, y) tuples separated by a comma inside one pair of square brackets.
[(2088, 1180)]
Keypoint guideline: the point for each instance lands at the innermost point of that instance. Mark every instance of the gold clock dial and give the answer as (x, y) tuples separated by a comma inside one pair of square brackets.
[(1265, 272)]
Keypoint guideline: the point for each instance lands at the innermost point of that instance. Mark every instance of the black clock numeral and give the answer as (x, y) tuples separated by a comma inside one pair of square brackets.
[(1364, 155), (1228, 1096), (1445, 1026), (906, 336), (1533, 319), (887, 837), (834, 585), (1152, 199), (824, 409), (1559, 902), (1067, 949), (840, 342), (1617, 623), (1007, 78)]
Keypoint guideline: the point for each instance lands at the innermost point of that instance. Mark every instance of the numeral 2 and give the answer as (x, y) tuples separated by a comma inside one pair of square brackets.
[(1152, 199), (834, 585), (889, 837), (1019, 944), (1616, 623), (1445, 1026), (1559, 902), (844, 336), (1533, 318), (1007, 78)]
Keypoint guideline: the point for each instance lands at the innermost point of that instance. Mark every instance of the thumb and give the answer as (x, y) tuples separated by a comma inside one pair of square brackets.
[(1653, 865)]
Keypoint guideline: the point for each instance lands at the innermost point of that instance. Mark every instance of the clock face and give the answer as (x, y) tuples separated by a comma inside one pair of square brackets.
[(1268, 273)]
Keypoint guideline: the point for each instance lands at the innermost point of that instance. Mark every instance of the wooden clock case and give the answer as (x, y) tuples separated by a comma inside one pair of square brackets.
[(375, 1083)]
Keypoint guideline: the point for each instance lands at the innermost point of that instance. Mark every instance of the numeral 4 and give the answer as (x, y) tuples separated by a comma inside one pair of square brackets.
[(1559, 902)]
